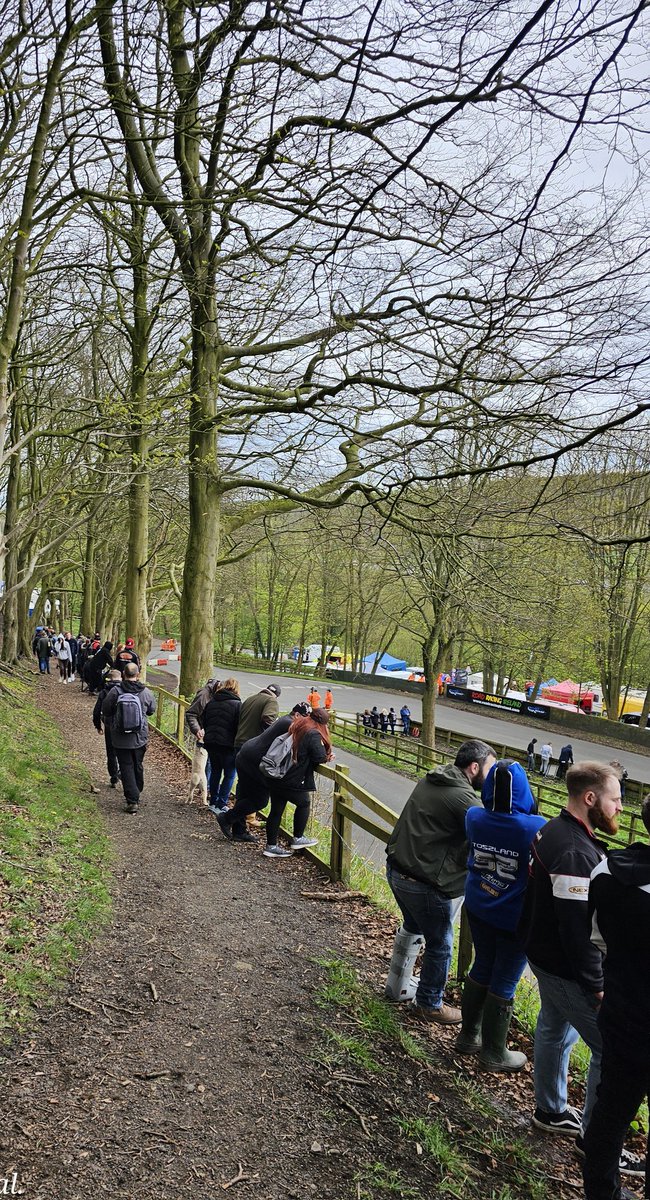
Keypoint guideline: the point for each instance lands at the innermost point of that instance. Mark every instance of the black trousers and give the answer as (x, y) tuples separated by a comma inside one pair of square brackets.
[(132, 772), (624, 1084), (111, 757), (279, 801), (251, 795)]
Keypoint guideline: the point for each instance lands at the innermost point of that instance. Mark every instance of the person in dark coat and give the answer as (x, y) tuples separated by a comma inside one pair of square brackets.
[(311, 746), (126, 655), (130, 746), (565, 761), (43, 650), (619, 909), (374, 717), (220, 720), (113, 679), (254, 790), (97, 666)]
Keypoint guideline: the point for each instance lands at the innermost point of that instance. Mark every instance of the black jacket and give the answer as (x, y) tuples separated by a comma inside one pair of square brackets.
[(220, 719), (619, 906), (125, 656), (300, 777), (555, 925), (97, 665), (97, 710)]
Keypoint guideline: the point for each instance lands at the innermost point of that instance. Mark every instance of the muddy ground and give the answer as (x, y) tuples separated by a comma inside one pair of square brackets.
[(189, 1048)]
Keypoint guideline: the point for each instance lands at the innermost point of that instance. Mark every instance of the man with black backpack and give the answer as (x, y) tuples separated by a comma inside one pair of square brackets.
[(124, 712)]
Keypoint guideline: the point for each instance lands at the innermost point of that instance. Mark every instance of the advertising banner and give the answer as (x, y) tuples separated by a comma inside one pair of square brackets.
[(505, 703)]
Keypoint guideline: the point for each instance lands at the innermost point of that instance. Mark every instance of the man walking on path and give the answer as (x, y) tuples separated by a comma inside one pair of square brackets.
[(619, 907), (114, 678), (43, 651), (427, 866), (125, 711), (127, 655), (314, 697), (329, 699), (556, 928)]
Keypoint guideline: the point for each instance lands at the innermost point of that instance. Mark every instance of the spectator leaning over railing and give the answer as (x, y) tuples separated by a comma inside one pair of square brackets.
[(426, 868)]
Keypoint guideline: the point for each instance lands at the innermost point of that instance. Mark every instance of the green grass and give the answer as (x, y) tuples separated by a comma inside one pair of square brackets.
[(436, 1142), (373, 1016), (378, 1179), (53, 859)]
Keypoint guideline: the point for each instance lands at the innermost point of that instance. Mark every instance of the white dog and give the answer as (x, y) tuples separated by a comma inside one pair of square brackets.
[(199, 760)]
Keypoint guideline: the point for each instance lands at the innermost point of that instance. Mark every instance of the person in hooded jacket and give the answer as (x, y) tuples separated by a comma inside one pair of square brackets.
[(499, 836), (130, 747), (126, 654), (619, 907), (427, 864), (97, 666), (220, 719), (112, 681), (312, 746)]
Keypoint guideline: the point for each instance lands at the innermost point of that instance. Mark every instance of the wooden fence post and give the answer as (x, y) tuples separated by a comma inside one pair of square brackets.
[(341, 844), (159, 710), (180, 723)]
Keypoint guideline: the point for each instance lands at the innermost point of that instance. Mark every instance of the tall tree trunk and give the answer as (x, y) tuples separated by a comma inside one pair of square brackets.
[(87, 616), (200, 566), (138, 625), (12, 507)]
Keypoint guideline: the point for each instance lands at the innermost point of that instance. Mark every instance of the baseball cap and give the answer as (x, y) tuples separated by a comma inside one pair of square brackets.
[(273, 687)]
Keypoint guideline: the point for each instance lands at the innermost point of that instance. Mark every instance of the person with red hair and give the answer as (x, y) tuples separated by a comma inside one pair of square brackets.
[(311, 746)]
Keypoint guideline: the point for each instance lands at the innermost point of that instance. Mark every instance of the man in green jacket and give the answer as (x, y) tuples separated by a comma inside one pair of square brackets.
[(427, 865), (257, 713)]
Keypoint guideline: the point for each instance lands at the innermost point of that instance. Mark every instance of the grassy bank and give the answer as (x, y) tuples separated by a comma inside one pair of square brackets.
[(53, 859)]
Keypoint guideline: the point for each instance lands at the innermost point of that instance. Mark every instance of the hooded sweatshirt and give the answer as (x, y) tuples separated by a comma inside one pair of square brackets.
[(619, 905), (129, 741), (428, 842), (499, 836)]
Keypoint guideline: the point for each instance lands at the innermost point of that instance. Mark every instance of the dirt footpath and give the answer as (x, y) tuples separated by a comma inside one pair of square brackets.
[(184, 1058)]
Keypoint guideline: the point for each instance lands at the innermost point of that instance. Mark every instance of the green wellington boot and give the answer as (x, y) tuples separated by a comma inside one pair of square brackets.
[(494, 1054), (471, 1006)]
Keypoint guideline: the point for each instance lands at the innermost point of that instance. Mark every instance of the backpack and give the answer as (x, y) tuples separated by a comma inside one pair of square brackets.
[(128, 716), (278, 760)]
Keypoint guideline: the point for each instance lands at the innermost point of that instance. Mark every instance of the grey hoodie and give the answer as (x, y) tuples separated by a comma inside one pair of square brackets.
[(129, 741), (429, 841)]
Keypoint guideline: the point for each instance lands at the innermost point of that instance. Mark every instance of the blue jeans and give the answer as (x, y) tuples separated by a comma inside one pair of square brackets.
[(567, 1013), (222, 773), (427, 912), (499, 957)]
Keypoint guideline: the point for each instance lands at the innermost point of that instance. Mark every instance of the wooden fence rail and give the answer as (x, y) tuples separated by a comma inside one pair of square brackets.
[(354, 806)]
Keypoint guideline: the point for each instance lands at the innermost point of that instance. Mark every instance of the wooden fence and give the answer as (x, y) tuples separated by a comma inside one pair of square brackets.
[(354, 806)]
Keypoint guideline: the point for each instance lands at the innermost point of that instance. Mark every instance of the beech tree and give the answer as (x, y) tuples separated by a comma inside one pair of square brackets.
[(356, 284)]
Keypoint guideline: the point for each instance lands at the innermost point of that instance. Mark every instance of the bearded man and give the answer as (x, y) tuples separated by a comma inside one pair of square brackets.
[(556, 927)]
